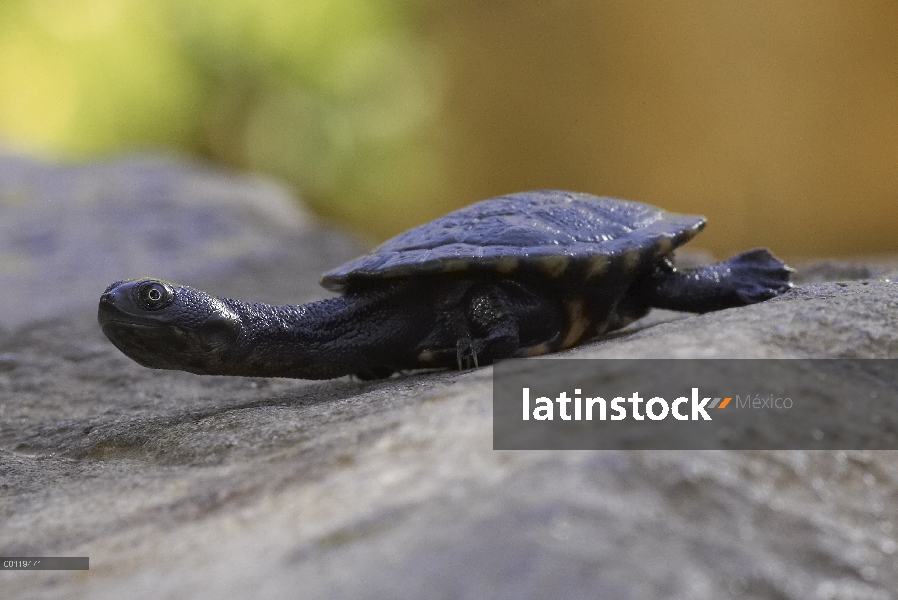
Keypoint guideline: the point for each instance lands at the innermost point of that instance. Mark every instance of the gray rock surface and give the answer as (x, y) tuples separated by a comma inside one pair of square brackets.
[(66, 231), (181, 486)]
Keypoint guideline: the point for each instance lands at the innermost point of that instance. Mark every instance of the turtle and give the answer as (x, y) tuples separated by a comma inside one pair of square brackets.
[(518, 275)]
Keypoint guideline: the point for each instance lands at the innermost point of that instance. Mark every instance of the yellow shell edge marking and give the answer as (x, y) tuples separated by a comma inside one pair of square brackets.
[(577, 322), (554, 266), (454, 265), (537, 350), (598, 265), (507, 265), (631, 260)]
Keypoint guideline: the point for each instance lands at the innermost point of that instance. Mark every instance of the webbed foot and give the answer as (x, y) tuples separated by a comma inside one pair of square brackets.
[(746, 278), (758, 275)]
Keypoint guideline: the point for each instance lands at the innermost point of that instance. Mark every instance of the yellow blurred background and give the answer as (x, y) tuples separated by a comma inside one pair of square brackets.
[(776, 119)]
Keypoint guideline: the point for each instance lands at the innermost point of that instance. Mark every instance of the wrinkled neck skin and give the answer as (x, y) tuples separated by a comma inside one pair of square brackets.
[(352, 334)]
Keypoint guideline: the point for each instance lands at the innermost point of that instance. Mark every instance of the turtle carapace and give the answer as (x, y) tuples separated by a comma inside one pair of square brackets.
[(519, 275)]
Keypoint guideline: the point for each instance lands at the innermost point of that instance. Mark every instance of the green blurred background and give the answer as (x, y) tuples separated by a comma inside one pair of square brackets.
[(776, 119)]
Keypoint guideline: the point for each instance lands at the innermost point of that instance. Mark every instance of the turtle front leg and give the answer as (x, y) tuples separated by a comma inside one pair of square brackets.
[(746, 278), (487, 328), (476, 325), (480, 322)]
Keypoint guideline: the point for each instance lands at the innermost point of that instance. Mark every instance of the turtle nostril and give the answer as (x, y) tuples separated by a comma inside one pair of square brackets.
[(107, 309)]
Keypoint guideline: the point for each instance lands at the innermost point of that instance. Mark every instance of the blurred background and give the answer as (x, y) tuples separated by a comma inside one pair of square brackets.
[(776, 119)]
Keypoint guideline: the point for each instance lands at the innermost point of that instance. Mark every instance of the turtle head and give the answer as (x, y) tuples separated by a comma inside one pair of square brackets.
[(164, 325)]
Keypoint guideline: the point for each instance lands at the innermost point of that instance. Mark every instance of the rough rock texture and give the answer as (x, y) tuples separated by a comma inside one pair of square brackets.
[(179, 486)]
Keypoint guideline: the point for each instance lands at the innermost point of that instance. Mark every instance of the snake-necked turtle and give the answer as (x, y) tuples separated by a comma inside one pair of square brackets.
[(514, 276)]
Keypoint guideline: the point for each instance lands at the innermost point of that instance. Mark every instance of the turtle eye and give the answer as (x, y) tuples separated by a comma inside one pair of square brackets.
[(153, 295)]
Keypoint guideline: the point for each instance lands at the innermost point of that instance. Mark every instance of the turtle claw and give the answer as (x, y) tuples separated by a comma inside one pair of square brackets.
[(466, 353)]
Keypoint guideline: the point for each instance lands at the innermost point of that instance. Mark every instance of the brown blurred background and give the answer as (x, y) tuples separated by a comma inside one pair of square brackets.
[(776, 119)]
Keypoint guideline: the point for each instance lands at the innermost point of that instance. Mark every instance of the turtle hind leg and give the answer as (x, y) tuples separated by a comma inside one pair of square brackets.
[(746, 278)]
